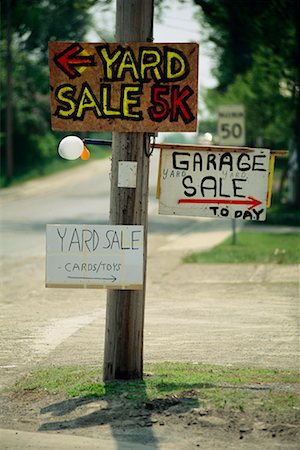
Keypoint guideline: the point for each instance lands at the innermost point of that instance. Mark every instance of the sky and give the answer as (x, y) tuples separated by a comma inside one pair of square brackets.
[(178, 24)]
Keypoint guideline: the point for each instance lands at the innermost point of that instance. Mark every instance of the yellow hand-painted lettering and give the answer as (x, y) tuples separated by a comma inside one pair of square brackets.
[(128, 63), (173, 60), (87, 101), (69, 106)]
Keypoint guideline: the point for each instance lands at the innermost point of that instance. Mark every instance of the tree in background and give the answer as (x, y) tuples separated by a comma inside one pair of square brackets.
[(257, 51), (26, 29)]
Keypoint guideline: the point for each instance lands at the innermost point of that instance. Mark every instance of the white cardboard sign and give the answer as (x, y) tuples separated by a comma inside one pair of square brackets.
[(211, 183), (95, 256)]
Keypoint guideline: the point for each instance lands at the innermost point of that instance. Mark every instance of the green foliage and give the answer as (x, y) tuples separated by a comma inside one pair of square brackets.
[(256, 52), (207, 126), (268, 98), (239, 28), (32, 26), (47, 20), (283, 214), (253, 247)]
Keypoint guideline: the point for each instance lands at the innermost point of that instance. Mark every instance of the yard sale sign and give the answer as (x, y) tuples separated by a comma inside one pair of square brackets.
[(123, 87)]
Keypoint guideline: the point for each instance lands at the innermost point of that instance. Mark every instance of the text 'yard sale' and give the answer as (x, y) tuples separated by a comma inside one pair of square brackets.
[(95, 256), (123, 87)]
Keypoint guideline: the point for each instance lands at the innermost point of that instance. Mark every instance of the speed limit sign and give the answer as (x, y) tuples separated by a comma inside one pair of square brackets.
[(231, 125)]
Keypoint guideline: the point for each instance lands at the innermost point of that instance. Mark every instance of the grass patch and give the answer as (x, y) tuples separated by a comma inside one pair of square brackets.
[(215, 385), (253, 247)]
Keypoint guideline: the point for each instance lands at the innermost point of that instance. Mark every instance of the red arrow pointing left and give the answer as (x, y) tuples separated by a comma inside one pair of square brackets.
[(251, 201), (70, 58)]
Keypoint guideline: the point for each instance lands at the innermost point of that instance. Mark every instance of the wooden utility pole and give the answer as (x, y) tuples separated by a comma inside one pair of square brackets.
[(123, 354), (9, 94)]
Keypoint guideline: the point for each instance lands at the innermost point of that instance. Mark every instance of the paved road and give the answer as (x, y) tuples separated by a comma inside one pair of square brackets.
[(214, 314), (76, 196)]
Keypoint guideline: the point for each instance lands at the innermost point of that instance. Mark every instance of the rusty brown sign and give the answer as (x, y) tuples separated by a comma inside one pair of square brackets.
[(140, 87)]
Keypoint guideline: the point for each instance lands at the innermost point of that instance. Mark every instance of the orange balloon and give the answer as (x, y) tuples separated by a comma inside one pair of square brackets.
[(85, 154)]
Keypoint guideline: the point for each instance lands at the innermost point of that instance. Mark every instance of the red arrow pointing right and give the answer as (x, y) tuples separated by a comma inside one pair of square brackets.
[(253, 202), (70, 58)]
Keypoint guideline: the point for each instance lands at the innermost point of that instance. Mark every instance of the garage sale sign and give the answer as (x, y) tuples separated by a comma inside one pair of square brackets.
[(214, 182), (140, 87)]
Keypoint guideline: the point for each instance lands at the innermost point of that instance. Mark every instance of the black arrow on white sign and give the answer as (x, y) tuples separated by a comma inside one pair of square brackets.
[(112, 278)]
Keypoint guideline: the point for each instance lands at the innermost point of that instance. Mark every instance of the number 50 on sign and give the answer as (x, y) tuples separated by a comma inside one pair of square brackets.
[(231, 125)]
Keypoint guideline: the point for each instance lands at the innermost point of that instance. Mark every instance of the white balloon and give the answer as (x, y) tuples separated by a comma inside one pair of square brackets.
[(70, 147)]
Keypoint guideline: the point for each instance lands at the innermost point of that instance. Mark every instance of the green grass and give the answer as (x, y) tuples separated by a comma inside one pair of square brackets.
[(220, 386), (253, 247)]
